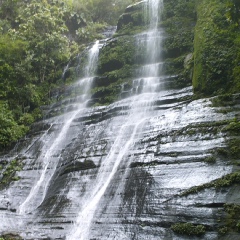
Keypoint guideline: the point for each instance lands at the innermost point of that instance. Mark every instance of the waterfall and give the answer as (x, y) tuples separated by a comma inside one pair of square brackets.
[(121, 171), (131, 124), (49, 158)]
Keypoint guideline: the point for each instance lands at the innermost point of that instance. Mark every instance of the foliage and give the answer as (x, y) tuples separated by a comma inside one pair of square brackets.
[(233, 127), (210, 159), (188, 229), (233, 11), (89, 33), (216, 44), (32, 55), (10, 131), (43, 27), (225, 181), (107, 11), (9, 173), (117, 53), (231, 219), (10, 237), (178, 20), (37, 39), (223, 230)]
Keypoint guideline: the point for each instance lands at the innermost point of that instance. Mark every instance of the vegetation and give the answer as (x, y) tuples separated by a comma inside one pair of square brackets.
[(216, 48), (132, 21), (10, 172), (233, 11), (223, 230), (179, 18), (37, 40), (188, 229), (116, 66), (10, 237), (232, 220), (225, 181)]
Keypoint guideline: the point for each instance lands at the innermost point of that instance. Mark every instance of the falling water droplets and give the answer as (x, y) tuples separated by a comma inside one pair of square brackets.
[(50, 156), (132, 124)]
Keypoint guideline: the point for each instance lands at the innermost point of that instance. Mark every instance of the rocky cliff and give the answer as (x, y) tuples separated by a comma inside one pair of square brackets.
[(138, 155)]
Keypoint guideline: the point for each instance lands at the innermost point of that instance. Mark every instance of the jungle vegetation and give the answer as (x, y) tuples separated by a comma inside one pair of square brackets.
[(39, 37), (37, 40)]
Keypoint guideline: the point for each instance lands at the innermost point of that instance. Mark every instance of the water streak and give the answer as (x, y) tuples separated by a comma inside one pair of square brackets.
[(128, 132), (50, 158)]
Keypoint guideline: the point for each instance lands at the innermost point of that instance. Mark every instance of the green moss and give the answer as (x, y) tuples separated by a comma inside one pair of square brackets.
[(210, 159), (105, 95), (116, 66), (10, 236), (225, 181), (9, 173), (238, 226), (223, 230), (215, 50), (132, 20), (178, 20), (232, 150), (117, 53), (130, 29), (230, 219), (233, 128), (188, 229), (227, 99)]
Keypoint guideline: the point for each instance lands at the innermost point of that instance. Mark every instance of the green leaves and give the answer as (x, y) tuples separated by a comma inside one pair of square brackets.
[(233, 11), (38, 38), (32, 56), (89, 33), (10, 131), (216, 50), (188, 229), (42, 25)]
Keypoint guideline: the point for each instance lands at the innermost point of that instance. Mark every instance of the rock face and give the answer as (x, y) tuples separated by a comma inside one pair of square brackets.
[(135, 157)]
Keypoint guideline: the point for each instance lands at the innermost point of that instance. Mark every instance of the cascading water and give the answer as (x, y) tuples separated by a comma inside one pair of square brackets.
[(50, 146), (51, 157), (137, 116), (117, 172)]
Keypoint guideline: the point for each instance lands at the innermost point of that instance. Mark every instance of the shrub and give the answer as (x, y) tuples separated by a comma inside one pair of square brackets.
[(188, 229)]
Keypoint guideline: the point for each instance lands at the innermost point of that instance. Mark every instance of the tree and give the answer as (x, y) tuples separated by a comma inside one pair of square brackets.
[(42, 25), (107, 11), (233, 11)]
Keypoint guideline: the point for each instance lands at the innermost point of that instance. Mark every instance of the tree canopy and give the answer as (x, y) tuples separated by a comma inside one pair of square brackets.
[(37, 39)]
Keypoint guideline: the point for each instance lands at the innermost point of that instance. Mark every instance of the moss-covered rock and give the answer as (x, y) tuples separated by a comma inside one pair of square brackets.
[(10, 236), (79, 166), (225, 181), (188, 229), (116, 66), (216, 50), (9, 172), (119, 58), (117, 53), (132, 20), (178, 22)]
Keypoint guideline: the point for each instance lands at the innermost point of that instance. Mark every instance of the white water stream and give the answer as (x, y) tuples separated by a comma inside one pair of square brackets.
[(137, 116), (50, 156), (143, 151)]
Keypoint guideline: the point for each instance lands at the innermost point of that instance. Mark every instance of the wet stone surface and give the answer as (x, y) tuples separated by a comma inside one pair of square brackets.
[(143, 198), (120, 171)]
